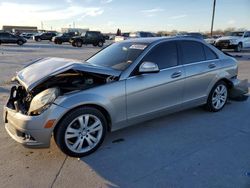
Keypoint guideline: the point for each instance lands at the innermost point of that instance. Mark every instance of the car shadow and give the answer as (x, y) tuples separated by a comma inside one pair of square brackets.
[(132, 154)]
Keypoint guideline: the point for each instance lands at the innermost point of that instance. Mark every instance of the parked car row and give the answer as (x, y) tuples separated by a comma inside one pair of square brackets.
[(234, 40)]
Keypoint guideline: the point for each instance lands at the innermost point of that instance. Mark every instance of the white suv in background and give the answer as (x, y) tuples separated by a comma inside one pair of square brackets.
[(234, 40)]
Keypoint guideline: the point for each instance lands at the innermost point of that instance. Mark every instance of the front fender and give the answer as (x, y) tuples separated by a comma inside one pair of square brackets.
[(110, 97)]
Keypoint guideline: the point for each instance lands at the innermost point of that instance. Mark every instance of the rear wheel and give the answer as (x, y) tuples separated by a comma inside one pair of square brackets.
[(81, 132), (59, 42), (217, 97), (100, 44), (20, 43), (38, 39)]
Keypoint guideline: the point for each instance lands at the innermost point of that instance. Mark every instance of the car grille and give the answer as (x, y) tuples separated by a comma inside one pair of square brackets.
[(223, 42)]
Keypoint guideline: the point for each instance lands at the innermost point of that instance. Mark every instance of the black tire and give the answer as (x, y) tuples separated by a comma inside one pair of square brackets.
[(78, 43), (238, 48), (210, 106), (59, 42), (68, 121), (73, 44), (100, 44), (20, 43)]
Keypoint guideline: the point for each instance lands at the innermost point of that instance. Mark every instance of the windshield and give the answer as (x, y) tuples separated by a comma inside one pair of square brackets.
[(235, 34), (118, 56)]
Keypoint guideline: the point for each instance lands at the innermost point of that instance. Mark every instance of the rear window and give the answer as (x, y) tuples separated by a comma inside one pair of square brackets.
[(210, 55)]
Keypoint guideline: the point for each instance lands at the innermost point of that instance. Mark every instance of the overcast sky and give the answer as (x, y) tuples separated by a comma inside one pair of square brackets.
[(129, 15)]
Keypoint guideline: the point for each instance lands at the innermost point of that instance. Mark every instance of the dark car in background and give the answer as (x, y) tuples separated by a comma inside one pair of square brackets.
[(27, 35), (44, 36), (8, 38), (141, 34), (95, 38), (64, 37)]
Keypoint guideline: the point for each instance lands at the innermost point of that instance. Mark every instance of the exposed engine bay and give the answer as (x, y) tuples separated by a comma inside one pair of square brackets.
[(69, 81)]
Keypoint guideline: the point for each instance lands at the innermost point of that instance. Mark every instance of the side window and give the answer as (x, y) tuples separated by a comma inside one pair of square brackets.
[(210, 55), (192, 52), (143, 34), (247, 34), (165, 55), (89, 35), (4, 34)]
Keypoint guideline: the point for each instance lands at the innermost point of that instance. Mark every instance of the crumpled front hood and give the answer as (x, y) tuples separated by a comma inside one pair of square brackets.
[(38, 71)]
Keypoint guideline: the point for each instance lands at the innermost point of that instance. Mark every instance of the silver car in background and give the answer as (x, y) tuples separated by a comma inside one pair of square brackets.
[(124, 84)]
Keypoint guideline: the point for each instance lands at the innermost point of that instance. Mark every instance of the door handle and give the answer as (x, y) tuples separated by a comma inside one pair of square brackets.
[(212, 65), (176, 74)]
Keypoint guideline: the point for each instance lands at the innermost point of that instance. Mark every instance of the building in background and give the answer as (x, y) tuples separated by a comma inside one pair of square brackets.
[(20, 29), (74, 30)]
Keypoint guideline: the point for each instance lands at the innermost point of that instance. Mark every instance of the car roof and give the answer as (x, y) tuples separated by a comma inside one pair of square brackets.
[(150, 40)]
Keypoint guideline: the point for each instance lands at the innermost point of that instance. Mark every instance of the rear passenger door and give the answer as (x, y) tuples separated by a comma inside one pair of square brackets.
[(201, 65)]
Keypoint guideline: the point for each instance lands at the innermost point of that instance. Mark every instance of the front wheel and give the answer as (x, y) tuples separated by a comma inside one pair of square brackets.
[(81, 132), (100, 44), (217, 97), (238, 48), (78, 43)]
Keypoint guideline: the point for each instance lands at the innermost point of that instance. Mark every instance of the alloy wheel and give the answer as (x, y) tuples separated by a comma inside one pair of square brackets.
[(219, 97), (83, 133)]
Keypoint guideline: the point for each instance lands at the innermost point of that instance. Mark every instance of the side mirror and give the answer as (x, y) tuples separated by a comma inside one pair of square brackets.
[(148, 67)]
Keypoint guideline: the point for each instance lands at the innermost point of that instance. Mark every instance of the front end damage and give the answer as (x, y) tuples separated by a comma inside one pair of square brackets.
[(30, 114)]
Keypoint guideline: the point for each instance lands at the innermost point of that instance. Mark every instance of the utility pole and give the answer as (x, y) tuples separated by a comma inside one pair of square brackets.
[(41, 25), (212, 26)]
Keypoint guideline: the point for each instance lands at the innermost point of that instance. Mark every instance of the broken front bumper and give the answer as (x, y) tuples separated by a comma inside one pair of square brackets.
[(239, 89), (30, 131)]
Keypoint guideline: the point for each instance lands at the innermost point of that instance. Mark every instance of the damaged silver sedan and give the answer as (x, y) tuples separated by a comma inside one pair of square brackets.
[(126, 83)]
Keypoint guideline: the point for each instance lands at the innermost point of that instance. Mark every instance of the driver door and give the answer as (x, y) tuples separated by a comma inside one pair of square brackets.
[(150, 93)]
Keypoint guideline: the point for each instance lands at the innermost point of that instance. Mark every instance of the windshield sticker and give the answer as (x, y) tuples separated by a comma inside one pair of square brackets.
[(138, 46)]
